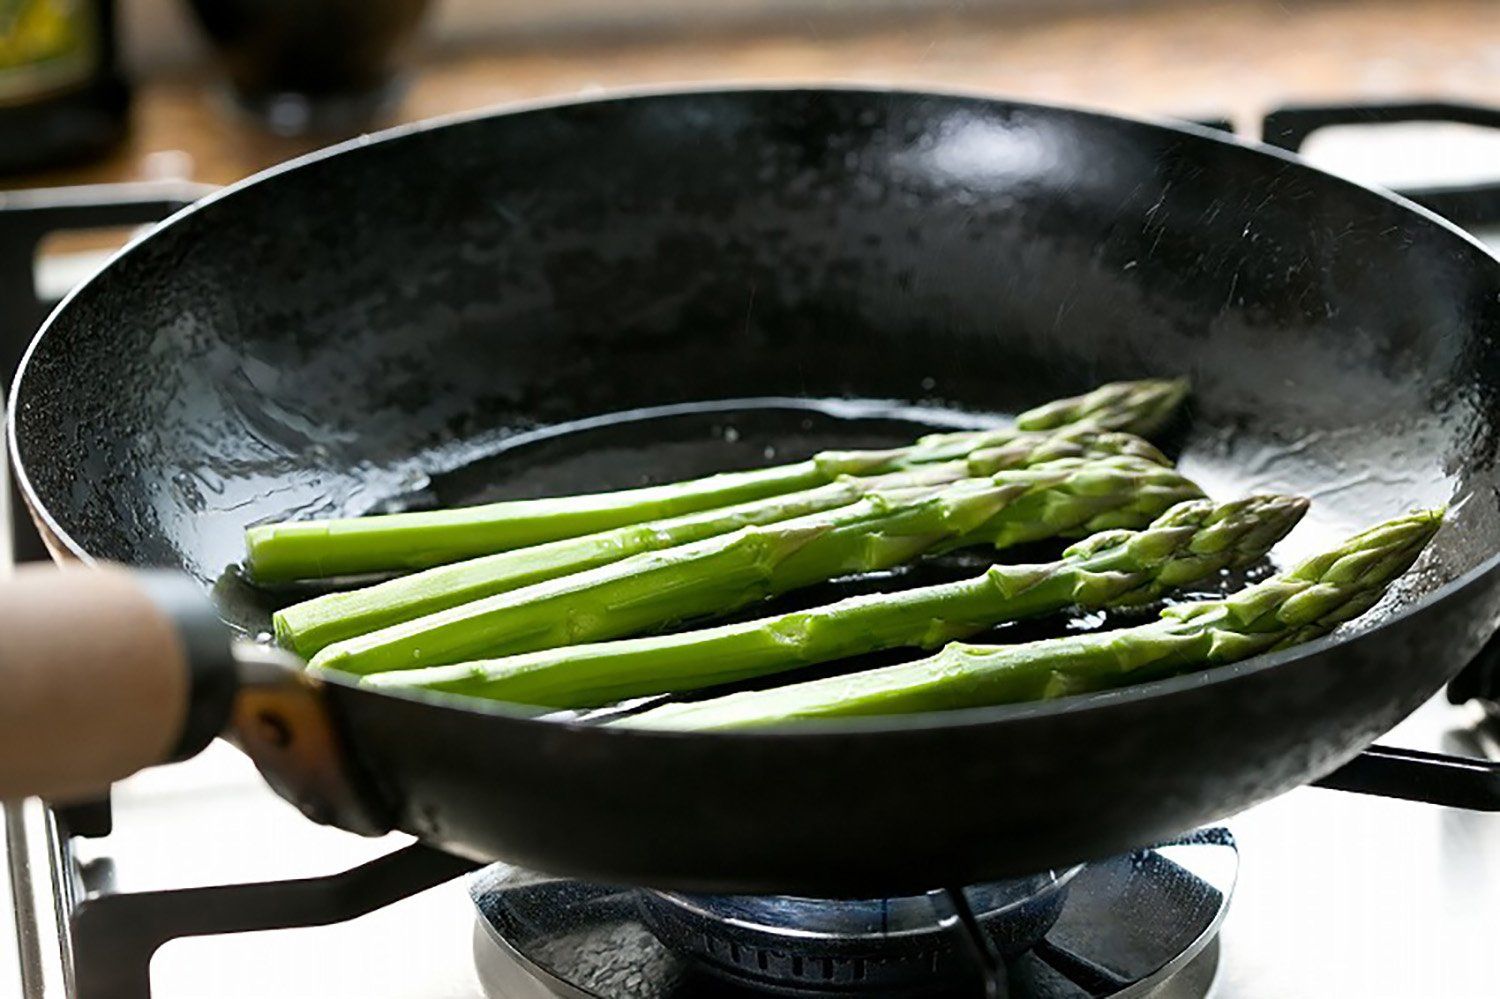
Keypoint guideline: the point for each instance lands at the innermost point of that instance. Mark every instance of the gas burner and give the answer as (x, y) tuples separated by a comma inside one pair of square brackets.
[(1136, 925), (811, 947)]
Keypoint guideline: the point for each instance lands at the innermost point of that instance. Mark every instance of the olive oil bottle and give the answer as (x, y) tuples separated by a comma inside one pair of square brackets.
[(62, 98)]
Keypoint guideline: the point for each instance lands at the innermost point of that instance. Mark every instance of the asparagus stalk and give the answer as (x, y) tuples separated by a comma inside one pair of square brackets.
[(1115, 568), (1285, 610), (295, 550), (885, 528), (310, 626)]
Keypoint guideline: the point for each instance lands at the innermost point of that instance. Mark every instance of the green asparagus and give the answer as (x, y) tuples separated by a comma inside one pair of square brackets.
[(1285, 610), (405, 541), (1071, 496), (310, 626), (1189, 542)]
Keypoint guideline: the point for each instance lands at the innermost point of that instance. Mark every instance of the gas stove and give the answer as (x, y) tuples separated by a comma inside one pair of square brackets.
[(1135, 925), (1393, 892)]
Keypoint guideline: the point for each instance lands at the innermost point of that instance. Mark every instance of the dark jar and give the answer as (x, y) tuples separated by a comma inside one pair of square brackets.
[(62, 99)]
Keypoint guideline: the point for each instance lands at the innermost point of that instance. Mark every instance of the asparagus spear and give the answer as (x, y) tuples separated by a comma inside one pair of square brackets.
[(885, 528), (1115, 568), (1285, 610), (295, 550), (310, 626)]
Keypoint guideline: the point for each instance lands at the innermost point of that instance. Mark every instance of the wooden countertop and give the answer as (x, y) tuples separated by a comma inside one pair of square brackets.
[(1181, 58)]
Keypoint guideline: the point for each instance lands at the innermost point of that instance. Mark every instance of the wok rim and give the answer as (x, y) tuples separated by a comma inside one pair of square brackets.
[(967, 718)]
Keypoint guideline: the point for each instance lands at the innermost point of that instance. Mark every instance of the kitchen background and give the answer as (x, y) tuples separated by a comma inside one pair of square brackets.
[(1338, 894), (1200, 59)]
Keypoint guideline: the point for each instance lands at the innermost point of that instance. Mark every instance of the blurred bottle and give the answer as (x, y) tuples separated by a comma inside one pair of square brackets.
[(312, 66), (62, 98)]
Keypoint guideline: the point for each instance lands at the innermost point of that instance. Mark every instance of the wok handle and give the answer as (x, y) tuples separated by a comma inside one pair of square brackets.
[(104, 672)]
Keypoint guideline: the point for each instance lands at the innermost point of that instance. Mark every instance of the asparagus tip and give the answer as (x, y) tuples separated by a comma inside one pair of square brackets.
[(1141, 407), (1380, 552), (1334, 586), (1194, 540)]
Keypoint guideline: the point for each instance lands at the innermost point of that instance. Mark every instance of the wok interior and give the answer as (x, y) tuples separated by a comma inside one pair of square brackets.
[(400, 324)]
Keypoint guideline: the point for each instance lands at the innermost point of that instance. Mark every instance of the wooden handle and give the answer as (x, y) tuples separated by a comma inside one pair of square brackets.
[(96, 680)]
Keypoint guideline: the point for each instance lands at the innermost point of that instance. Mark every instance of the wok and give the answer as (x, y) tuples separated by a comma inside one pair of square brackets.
[(563, 297)]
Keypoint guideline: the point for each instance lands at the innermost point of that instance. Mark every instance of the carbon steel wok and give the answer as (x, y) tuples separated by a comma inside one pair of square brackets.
[(439, 315)]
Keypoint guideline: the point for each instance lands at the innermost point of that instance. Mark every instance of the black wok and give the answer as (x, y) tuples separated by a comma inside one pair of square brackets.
[(425, 316)]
